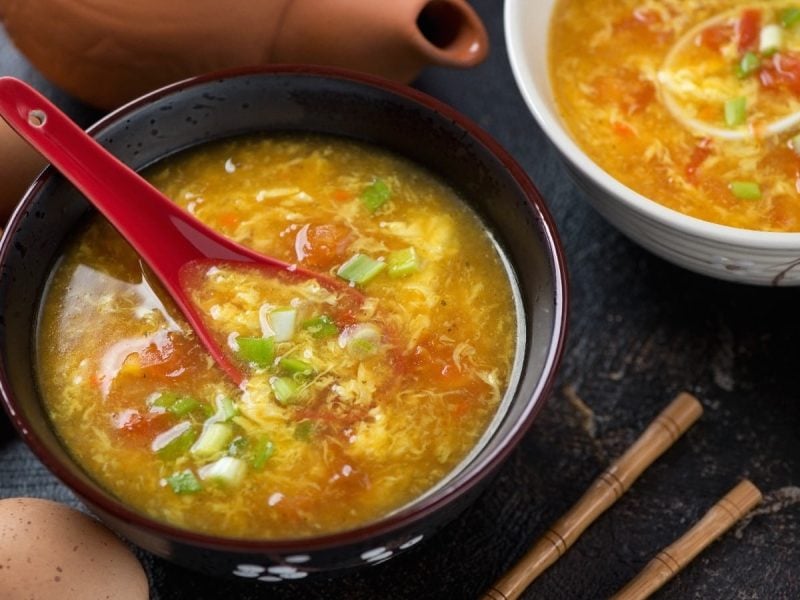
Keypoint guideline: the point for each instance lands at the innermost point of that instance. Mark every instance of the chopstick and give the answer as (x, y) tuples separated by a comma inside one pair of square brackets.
[(665, 429), (667, 563)]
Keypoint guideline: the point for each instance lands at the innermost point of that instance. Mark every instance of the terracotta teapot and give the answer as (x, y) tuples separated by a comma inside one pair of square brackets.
[(106, 52)]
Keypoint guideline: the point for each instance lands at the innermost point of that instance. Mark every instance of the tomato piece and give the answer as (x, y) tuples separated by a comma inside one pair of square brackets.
[(626, 90), (622, 129), (748, 29), (229, 220), (715, 37), (701, 152), (782, 71), (323, 246)]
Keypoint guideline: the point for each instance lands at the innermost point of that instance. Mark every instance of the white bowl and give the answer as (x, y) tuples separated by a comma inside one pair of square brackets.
[(740, 255)]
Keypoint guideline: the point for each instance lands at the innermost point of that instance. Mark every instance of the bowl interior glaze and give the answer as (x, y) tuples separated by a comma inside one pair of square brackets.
[(307, 100)]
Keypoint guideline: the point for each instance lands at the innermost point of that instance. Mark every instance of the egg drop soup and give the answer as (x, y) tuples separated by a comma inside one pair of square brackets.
[(357, 399), (694, 104)]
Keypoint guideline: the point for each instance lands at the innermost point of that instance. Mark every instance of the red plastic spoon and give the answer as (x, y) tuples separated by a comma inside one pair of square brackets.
[(142, 214)]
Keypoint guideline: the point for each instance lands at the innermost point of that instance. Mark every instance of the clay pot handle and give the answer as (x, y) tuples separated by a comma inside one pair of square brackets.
[(667, 563), (667, 427)]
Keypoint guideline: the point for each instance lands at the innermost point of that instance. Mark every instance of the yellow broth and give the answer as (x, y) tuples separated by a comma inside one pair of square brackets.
[(367, 425), (675, 99)]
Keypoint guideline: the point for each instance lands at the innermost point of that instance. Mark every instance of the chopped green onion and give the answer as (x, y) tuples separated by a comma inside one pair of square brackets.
[(225, 408), (282, 322), (184, 483), (227, 470), (375, 195), (174, 442), (748, 65), (361, 341), (183, 406), (403, 262), (214, 438), (179, 406), (360, 268), (295, 366), (790, 17), (735, 111), (259, 351), (746, 190), (237, 446), (321, 326), (264, 450), (303, 430), (771, 40), (284, 388)]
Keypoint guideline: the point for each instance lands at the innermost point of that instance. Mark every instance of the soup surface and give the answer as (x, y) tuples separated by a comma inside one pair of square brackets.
[(692, 104), (357, 400)]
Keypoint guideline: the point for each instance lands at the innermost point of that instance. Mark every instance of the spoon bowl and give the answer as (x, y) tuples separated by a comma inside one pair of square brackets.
[(170, 240)]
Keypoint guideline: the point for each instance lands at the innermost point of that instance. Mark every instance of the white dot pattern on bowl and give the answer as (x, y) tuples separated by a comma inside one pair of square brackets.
[(288, 571), (412, 542), (274, 573)]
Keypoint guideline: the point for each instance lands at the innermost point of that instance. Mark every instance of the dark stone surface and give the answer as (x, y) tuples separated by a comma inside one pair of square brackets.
[(640, 331)]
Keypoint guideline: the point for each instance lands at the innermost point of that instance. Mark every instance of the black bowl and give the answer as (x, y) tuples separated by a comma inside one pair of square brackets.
[(312, 100)]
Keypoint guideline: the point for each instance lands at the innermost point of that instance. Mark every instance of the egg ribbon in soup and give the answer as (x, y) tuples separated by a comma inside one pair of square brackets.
[(354, 404), (695, 105)]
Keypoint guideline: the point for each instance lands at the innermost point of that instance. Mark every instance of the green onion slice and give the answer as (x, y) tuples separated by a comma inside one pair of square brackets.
[(746, 190), (748, 65), (259, 351), (178, 405), (213, 439), (304, 430), (282, 322), (735, 111), (174, 442), (361, 341), (375, 195), (790, 17), (284, 388), (360, 269), (403, 262), (295, 366), (228, 470), (264, 450), (321, 326), (226, 410), (184, 483)]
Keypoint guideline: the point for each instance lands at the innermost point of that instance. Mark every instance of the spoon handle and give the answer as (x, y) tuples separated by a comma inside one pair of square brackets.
[(667, 563), (129, 202), (665, 429), (165, 236)]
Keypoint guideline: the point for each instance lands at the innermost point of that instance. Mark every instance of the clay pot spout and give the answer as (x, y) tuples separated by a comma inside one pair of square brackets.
[(393, 39)]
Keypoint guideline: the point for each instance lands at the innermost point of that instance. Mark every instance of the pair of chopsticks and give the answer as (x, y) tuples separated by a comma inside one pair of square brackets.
[(667, 427)]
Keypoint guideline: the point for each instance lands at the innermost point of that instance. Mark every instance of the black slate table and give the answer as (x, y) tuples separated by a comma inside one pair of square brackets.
[(641, 330)]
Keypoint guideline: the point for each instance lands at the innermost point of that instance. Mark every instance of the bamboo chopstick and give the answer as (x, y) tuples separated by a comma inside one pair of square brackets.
[(667, 563), (667, 427)]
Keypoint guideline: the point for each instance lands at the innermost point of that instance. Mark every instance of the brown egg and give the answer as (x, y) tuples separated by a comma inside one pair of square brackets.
[(50, 551), (19, 164)]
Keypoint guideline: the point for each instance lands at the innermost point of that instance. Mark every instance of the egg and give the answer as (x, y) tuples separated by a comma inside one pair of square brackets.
[(51, 551), (19, 164)]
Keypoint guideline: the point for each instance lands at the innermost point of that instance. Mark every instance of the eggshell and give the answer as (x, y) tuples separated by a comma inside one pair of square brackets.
[(50, 551), (19, 164)]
